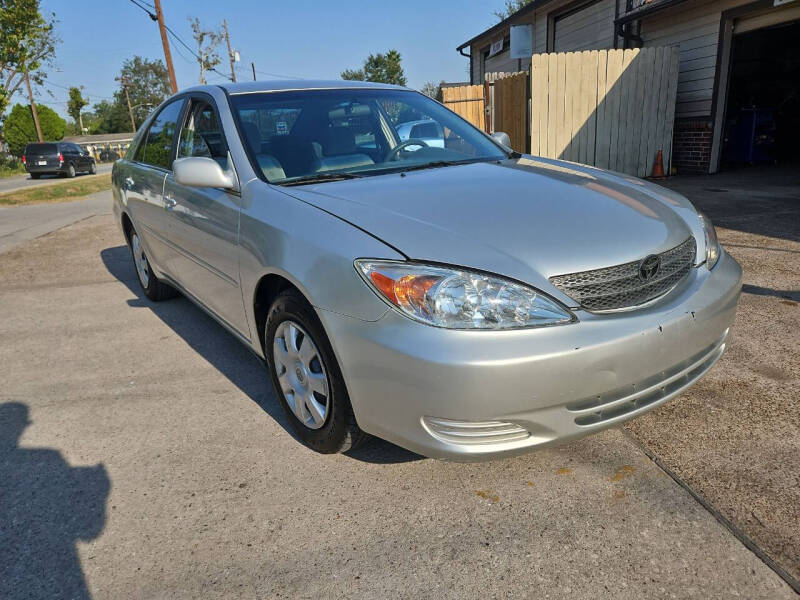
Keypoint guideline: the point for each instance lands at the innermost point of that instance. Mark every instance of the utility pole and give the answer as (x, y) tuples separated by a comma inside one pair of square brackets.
[(253, 66), (124, 81), (230, 52), (167, 55), (33, 108)]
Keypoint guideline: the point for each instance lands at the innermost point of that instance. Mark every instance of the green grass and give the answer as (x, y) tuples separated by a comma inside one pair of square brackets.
[(9, 171), (59, 192)]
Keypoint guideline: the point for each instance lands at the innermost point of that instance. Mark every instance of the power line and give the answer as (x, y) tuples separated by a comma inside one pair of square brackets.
[(64, 87), (177, 38), (277, 75), (145, 9)]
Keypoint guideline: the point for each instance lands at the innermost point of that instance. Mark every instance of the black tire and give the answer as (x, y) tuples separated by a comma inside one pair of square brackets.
[(155, 289), (70, 171), (35, 175), (92, 168), (340, 432)]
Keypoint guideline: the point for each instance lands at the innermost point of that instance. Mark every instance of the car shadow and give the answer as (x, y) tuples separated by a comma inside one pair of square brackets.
[(226, 354), (46, 506)]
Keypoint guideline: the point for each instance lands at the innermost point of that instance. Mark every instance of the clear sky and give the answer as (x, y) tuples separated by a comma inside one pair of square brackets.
[(297, 38)]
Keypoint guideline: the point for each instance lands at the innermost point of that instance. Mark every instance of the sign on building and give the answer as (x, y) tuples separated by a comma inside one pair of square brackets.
[(521, 41)]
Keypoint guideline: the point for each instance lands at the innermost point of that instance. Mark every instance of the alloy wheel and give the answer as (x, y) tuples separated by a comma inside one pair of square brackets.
[(301, 374), (142, 267)]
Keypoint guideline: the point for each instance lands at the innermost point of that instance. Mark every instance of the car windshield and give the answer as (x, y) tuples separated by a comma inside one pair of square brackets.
[(314, 135)]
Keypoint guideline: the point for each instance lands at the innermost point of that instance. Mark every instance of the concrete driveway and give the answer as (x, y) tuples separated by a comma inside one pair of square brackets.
[(18, 182), (144, 455)]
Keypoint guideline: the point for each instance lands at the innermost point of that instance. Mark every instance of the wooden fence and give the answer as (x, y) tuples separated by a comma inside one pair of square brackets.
[(614, 109), (510, 109), (468, 102)]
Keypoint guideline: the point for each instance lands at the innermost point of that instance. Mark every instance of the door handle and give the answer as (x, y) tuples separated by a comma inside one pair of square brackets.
[(129, 182), (169, 202)]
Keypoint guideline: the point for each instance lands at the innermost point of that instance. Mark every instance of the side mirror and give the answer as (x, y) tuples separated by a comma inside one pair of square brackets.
[(199, 171), (502, 138)]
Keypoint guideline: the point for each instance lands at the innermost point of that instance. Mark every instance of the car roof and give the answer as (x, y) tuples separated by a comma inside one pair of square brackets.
[(250, 87)]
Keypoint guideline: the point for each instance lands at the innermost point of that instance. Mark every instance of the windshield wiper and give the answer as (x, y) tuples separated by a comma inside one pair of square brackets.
[(316, 177), (432, 165)]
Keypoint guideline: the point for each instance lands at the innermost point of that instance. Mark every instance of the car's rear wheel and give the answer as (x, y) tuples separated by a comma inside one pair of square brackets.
[(153, 287), (35, 175), (70, 171), (307, 378)]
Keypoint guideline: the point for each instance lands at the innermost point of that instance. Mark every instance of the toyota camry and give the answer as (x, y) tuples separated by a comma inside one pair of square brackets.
[(456, 298)]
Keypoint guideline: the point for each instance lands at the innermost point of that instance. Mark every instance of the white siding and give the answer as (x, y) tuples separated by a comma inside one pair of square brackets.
[(589, 28), (694, 26)]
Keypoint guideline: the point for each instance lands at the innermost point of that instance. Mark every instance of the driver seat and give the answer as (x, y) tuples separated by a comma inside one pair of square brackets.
[(339, 151)]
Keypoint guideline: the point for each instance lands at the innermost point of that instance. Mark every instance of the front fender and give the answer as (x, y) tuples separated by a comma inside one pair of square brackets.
[(314, 250)]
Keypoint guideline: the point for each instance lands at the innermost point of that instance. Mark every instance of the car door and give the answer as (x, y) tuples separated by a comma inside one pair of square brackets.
[(143, 186), (83, 158), (205, 221)]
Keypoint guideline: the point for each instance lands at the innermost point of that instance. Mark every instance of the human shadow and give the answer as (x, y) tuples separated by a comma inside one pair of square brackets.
[(225, 353), (45, 507)]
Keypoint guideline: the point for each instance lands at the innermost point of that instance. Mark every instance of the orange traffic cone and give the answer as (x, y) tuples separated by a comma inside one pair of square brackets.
[(658, 167)]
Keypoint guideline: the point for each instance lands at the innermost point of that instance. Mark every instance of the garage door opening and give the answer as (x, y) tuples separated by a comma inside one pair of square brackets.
[(762, 124)]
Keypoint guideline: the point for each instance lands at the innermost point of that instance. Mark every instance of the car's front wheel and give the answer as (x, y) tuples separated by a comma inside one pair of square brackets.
[(152, 286), (92, 168), (307, 378)]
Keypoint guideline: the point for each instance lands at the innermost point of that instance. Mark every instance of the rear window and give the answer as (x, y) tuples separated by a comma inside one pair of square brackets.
[(425, 130), (41, 149)]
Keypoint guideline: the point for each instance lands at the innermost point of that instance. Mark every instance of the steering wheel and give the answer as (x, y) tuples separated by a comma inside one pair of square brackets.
[(394, 152)]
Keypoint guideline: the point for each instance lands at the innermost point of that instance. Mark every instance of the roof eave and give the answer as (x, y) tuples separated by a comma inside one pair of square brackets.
[(507, 21)]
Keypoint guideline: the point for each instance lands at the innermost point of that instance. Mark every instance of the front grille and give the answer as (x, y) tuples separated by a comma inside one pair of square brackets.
[(621, 286)]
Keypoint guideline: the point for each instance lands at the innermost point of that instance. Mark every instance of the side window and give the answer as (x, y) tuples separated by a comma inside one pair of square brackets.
[(202, 135), (157, 145)]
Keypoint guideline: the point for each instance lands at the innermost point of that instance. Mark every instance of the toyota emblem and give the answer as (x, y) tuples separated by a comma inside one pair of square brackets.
[(649, 267)]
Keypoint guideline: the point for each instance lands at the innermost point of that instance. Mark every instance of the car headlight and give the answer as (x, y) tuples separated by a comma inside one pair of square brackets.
[(460, 299), (712, 244)]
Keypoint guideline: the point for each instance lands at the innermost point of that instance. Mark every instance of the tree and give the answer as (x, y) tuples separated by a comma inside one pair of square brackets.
[(433, 90), (27, 43), (75, 105), (511, 7), (382, 68), (207, 42), (109, 117), (19, 129)]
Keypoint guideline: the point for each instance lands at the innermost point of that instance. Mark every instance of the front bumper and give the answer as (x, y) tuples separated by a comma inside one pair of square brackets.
[(472, 395)]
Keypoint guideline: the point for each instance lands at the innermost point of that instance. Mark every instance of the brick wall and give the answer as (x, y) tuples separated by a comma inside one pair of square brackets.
[(691, 145)]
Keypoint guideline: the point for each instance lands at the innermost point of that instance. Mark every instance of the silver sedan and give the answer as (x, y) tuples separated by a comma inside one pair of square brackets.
[(459, 299)]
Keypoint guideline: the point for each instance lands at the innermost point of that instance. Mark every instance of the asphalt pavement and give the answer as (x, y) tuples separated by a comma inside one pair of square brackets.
[(144, 454), (18, 182), (19, 224)]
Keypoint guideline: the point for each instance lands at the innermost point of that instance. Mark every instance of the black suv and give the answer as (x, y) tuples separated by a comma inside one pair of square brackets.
[(63, 158)]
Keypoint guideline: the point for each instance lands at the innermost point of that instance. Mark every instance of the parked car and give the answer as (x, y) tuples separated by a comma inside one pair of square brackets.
[(57, 158), (463, 301), (426, 130)]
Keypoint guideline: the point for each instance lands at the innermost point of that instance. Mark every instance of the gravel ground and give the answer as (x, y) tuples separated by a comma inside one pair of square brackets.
[(734, 438)]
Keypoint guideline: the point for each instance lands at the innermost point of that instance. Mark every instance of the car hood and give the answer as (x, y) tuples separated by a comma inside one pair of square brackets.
[(527, 218)]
